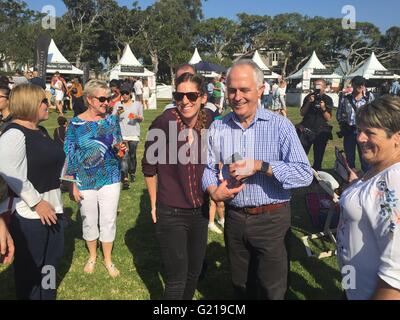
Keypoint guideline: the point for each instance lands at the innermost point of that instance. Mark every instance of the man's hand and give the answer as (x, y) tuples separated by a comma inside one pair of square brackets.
[(7, 248), (243, 169), (311, 98), (223, 193)]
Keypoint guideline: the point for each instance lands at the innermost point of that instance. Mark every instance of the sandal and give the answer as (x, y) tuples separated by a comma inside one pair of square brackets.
[(89, 266), (112, 270)]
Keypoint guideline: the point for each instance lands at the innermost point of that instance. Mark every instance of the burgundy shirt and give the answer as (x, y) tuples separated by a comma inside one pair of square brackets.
[(179, 185)]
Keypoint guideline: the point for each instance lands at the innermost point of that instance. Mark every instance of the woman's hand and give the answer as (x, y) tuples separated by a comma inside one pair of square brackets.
[(153, 215), (7, 248), (74, 193), (46, 212)]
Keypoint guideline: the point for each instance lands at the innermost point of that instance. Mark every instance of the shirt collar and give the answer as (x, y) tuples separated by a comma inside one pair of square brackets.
[(261, 114)]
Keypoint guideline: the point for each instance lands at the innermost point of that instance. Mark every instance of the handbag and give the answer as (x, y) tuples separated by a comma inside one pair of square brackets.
[(305, 134)]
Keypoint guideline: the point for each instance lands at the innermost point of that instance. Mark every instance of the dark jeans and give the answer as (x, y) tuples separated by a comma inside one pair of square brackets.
[(350, 144), (182, 236), (319, 146), (256, 246), (37, 246), (129, 162)]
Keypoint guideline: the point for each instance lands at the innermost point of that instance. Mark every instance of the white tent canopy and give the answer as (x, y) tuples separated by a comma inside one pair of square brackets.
[(129, 66), (268, 74), (57, 62), (372, 69), (195, 58), (314, 64)]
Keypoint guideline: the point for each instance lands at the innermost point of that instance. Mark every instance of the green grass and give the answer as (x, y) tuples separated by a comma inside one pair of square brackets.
[(136, 251)]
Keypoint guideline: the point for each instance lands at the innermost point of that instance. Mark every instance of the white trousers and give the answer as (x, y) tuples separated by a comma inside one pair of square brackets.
[(99, 211)]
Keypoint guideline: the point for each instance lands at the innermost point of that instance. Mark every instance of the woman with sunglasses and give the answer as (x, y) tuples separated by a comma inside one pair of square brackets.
[(93, 149), (179, 207), (31, 164), (130, 116)]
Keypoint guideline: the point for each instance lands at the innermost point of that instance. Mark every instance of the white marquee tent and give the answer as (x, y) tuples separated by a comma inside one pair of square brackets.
[(129, 66), (316, 68), (196, 58), (373, 69), (57, 62), (268, 74)]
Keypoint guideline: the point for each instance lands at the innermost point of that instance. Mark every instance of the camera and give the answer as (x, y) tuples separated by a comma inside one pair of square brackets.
[(318, 98)]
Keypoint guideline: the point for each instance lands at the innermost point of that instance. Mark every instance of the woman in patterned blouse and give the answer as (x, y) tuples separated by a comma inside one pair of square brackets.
[(92, 142), (369, 228)]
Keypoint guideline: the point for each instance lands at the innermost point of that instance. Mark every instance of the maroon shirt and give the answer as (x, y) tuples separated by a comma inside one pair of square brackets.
[(179, 185)]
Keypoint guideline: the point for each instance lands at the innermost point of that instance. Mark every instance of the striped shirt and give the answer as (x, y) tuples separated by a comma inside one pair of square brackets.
[(270, 138)]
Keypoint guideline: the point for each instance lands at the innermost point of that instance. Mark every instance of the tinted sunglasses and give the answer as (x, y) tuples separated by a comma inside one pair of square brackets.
[(103, 99), (45, 101), (124, 92), (192, 96)]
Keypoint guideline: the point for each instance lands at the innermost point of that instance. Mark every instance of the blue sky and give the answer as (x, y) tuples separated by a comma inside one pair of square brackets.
[(383, 13)]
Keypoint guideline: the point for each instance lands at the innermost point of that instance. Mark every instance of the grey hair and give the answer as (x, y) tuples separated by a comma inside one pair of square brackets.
[(258, 73), (92, 86)]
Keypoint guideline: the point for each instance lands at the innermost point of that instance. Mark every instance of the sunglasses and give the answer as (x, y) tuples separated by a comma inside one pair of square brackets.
[(45, 101), (103, 99), (192, 96)]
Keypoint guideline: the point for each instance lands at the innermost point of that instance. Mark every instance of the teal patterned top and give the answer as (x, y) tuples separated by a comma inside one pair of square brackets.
[(89, 152)]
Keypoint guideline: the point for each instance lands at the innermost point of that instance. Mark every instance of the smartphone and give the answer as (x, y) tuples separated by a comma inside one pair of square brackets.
[(234, 158)]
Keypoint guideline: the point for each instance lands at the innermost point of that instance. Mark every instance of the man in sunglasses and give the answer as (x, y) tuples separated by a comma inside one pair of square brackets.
[(262, 160), (346, 116)]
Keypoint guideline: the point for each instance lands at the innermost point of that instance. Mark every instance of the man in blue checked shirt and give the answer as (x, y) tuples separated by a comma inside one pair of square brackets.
[(262, 160)]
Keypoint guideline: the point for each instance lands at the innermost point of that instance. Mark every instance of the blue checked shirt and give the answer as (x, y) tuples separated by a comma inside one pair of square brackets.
[(270, 138)]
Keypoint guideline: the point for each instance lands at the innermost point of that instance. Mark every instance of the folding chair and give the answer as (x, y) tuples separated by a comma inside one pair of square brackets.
[(329, 185)]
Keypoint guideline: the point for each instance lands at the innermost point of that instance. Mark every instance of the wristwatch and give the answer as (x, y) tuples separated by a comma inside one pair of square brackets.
[(264, 167)]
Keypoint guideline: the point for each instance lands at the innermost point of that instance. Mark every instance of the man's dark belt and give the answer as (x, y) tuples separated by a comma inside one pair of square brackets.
[(262, 209)]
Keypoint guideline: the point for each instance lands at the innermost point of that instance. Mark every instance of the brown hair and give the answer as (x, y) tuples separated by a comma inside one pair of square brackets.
[(382, 113), (200, 85)]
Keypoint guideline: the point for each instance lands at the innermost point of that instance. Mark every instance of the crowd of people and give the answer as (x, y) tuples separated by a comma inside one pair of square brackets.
[(198, 165)]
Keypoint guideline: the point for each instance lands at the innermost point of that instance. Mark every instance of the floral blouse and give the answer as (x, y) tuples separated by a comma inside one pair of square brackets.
[(90, 156), (368, 234)]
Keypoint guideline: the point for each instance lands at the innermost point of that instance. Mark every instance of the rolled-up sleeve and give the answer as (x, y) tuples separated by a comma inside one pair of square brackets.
[(293, 170), (210, 175), (14, 168)]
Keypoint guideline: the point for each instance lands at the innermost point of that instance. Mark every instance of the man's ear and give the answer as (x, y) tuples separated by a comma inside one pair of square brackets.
[(261, 91)]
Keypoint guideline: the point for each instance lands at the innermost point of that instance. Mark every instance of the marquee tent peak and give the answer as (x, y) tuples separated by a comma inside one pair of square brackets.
[(195, 58)]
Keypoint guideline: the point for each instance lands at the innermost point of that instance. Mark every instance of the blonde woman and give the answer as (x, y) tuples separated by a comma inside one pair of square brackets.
[(36, 225), (92, 144)]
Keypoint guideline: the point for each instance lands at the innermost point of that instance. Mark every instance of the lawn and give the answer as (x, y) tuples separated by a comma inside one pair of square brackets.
[(137, 257)]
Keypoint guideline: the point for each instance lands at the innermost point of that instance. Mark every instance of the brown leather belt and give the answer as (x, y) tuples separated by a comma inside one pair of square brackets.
[(262, 209)]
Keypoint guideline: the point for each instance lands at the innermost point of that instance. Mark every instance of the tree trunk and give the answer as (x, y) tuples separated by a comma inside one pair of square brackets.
[(79, 55), (154, 60)]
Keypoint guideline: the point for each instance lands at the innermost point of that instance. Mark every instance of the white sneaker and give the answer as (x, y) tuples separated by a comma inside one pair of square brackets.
[(214, 228), (221, 222)]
